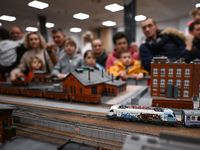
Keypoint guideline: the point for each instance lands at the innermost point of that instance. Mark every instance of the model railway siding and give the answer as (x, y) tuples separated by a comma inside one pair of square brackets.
[(64, 137)]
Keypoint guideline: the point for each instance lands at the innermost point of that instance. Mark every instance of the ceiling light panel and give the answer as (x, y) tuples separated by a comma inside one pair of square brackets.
[(0, 24), (38, 4), (197, 5), (140, 18), (109, 23), (31, 29), (81, 16), (114, 7), (75, 30), (49, 25), (7, 18)]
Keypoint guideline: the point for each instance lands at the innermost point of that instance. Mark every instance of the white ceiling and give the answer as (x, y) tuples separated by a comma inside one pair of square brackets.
[(61, 12)]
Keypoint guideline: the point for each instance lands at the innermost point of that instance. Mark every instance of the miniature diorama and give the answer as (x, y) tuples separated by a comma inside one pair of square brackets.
[(89, 85), (7, 128), (84, 85)]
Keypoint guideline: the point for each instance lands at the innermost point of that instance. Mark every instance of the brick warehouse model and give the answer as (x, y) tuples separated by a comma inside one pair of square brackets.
[(175, 80), (92, 82)]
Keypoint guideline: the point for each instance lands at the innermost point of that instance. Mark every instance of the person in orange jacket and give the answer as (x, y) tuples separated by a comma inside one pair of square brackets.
[(126, 67)]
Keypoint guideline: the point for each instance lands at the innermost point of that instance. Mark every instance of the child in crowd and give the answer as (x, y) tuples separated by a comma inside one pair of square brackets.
[(69, 62), (35, 63), (127, 66), (195, 14), (90, 60)]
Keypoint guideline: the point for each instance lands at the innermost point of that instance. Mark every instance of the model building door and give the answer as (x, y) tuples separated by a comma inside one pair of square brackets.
[(94, 90)]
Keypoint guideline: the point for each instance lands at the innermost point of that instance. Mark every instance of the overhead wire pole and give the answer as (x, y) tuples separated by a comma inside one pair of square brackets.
[(129, 19)]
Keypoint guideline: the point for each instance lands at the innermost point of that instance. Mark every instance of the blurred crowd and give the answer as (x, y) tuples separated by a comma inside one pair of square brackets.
[(23, 53)]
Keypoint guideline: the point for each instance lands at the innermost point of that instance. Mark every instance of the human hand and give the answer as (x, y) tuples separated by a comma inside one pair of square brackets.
[(190, 38), (134, 76), (13, 76), (50, 48), (143, 42), (61, 76), (123, 74), (140, 76)]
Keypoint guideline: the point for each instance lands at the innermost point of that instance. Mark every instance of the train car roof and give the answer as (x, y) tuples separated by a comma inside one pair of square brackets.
[(192, 112)]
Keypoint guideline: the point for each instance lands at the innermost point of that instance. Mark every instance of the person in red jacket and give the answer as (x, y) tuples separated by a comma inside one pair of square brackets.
[(120, 41)]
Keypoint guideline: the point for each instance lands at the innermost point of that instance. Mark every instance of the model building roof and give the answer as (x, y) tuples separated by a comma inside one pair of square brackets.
[(6, 106), (95, 78), (196, 59), (115, 83)]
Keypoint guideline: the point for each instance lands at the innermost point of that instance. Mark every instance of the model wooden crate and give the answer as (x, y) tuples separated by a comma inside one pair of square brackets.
[(167, 103)]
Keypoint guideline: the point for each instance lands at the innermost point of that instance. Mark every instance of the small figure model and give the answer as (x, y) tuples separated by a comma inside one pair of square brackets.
[(90, 60), (127, 67)]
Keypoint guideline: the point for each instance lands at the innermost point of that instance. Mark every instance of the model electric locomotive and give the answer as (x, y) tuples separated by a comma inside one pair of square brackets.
[(141, 113)]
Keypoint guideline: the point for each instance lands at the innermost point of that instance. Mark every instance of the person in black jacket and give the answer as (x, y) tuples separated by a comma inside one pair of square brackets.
[(193, 43), (168, 42)]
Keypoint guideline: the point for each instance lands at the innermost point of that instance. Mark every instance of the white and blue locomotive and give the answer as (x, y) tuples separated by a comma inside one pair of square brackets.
[(141, 113)]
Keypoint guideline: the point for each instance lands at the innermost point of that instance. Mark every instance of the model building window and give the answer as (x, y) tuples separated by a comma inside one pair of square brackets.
[(162, 71), (81, 90), (155, 71), (178, 83), (187, 72), (74, 89), (186, 82), (65, 87), (155, 82), (170, 81), (178, 72), (105, 90), (162, 91), (185, 93), (108, 90), (162, 82), (170, 72), (113, 91)]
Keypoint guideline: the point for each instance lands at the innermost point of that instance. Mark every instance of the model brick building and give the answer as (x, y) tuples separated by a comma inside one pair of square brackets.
[(171, 79), (7, 130), (92, 82)]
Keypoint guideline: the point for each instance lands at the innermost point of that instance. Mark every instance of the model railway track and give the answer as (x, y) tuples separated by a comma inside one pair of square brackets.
[(56, 111), (63, 137), (26, 114)]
